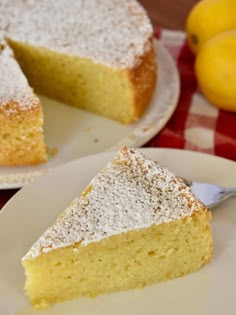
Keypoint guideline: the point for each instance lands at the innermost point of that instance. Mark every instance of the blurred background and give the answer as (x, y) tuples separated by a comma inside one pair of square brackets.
[(168, 13)]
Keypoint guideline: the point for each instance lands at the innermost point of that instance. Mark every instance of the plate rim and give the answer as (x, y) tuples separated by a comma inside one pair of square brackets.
[(113, 153)]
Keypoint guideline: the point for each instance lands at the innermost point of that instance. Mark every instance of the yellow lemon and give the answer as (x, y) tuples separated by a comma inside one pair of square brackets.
[(215, 68), (208, 18)]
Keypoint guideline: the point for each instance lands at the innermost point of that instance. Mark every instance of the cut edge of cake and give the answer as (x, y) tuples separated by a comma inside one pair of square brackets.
[(85, 84)]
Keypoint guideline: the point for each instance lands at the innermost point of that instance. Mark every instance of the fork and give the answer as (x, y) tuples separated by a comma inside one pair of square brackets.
[(211, 195)]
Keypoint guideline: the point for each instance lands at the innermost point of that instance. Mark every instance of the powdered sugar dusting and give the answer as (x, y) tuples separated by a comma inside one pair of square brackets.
[(15, 93), (116, 33), (130, 193), (20, 179)]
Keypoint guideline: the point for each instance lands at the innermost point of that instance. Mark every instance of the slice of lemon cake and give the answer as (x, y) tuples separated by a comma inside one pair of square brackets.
[(135, 224), (21, 117)]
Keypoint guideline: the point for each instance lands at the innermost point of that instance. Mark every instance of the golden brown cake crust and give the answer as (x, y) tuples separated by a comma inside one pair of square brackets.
[(143, 79)]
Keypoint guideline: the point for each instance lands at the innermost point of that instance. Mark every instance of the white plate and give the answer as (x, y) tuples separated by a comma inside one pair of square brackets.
[(211, 290), (76, 133)]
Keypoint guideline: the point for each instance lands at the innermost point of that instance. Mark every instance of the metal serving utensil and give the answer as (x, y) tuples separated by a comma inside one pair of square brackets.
[(211, 195)]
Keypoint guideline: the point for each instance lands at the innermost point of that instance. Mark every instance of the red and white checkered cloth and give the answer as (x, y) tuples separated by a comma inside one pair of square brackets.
[(196, 124)]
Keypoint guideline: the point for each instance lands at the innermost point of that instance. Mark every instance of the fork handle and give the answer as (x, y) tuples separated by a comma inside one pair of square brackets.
[(228, 193)]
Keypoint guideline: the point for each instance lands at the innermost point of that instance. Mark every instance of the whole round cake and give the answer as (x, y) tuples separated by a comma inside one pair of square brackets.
[(97, 55)]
